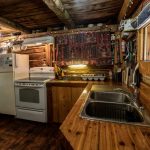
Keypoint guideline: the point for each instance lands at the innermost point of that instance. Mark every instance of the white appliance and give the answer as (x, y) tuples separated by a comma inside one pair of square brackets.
[(42, 72), (12, 67), (31, 97)]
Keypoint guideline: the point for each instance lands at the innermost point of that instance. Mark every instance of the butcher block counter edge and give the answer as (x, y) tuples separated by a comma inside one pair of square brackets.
[(66, 83), (84, 134)]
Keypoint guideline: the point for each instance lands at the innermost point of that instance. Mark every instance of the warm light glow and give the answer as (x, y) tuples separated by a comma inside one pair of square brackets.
[(38, 43), (79, 66), (85, 92)]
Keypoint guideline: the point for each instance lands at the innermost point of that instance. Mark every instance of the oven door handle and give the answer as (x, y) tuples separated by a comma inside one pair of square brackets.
[(30, 86)]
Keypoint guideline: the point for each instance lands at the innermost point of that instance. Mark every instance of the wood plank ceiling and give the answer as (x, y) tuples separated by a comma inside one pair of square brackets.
[(31, 14), (36, 15), (93, 11)]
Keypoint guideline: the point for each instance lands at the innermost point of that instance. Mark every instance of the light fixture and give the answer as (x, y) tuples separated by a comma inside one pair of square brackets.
[(77, 66), (38, 43)]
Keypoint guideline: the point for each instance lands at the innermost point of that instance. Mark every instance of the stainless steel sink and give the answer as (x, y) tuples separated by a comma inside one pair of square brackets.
[(110, 96), (114, 106), (115, 112)]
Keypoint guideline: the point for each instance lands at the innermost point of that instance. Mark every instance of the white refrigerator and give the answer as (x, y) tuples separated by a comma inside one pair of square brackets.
[(12, 67)]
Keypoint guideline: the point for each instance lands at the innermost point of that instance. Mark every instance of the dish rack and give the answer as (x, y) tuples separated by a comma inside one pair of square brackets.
[(94, 77)]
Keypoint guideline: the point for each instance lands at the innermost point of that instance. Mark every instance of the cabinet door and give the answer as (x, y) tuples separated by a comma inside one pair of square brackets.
[(61, 97), (75, 93)]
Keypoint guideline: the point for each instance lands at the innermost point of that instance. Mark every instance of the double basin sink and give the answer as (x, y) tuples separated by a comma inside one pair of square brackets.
[(114, 106)]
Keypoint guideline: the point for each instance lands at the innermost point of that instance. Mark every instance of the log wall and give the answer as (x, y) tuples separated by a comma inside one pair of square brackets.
[(40, 55)]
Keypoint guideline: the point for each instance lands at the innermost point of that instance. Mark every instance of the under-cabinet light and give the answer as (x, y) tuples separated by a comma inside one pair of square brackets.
[(38, 44), (77, 66)]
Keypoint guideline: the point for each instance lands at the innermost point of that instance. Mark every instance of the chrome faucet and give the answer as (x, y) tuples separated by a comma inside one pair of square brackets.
[(136, 92), (136, 96), (133, 96), (129, 94)]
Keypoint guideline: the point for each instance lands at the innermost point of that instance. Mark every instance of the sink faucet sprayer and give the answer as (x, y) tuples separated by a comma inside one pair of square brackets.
[(135, 85), (135, 95)]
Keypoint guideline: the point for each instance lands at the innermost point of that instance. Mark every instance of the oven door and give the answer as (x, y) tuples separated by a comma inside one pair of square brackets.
[(31, 97)]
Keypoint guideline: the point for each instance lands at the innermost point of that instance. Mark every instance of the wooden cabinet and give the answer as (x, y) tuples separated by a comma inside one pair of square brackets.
[(143, 37), (147, 43), (61, 98)]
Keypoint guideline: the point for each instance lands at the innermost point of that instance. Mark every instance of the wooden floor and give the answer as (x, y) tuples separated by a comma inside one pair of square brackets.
[(17, 134)]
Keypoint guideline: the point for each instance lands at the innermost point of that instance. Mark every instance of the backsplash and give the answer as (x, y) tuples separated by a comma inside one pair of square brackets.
[(88, 70)]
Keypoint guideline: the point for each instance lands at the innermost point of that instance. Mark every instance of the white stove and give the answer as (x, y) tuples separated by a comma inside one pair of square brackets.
[(31, 97)]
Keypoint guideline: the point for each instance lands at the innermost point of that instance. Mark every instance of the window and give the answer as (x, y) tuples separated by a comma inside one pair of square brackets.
[(147, 44)]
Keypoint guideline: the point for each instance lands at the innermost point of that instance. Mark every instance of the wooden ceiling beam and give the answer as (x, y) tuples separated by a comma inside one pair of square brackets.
[(123, 10), (13, 25), (57, 7)]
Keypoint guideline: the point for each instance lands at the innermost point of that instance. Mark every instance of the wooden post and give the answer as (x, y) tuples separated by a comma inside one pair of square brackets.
[(58, 8), (123, 10)]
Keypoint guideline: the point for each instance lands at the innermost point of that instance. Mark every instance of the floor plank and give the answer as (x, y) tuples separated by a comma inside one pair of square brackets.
[(17, 134)]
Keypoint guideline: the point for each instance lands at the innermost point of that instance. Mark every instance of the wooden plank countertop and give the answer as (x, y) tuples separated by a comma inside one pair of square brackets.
[(84, 134), (65, 83), (76, 82)]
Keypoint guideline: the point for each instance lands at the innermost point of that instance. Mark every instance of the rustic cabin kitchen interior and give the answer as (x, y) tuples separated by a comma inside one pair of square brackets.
[(75, 75)]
